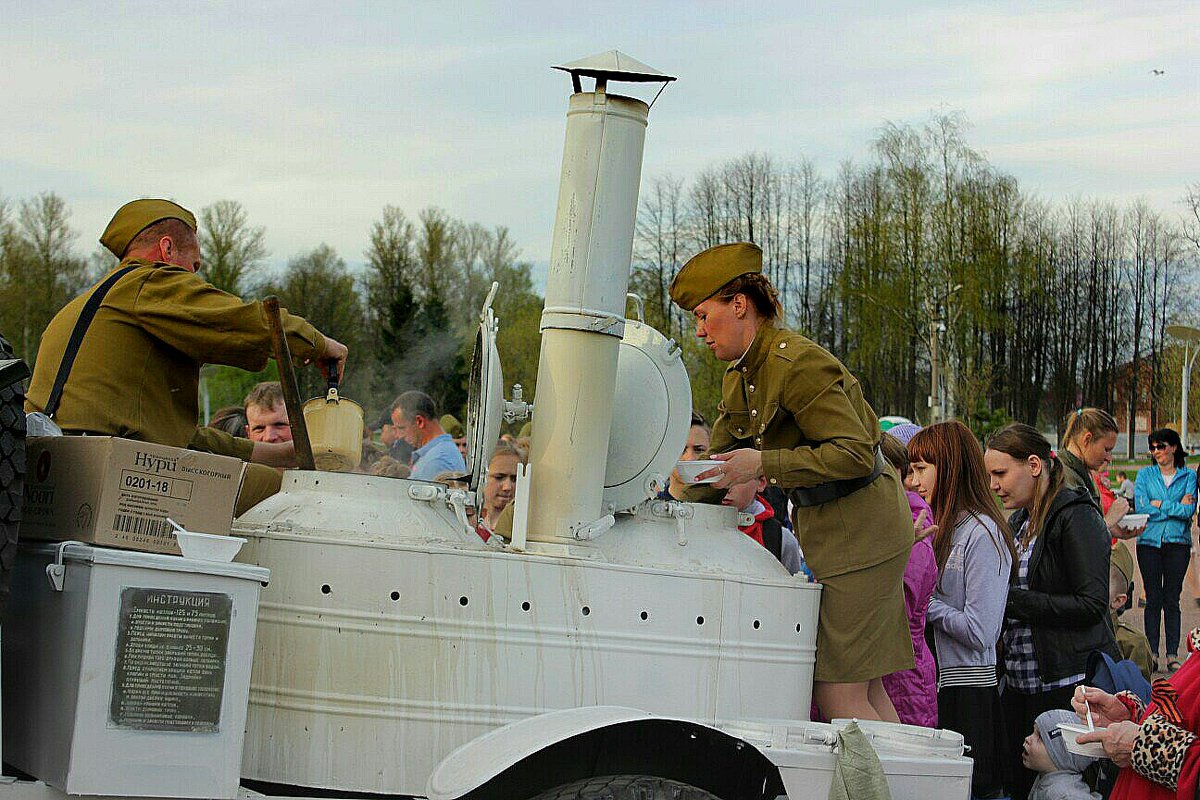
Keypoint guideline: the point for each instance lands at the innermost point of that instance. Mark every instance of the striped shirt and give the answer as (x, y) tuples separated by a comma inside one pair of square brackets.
[(983, 675)]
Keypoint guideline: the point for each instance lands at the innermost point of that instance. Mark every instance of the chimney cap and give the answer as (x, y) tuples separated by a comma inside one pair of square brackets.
[(614, 65)]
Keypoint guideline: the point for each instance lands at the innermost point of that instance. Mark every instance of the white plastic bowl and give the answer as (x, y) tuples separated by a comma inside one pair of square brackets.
[(1134, 521), (688, 470), (209, 546), (1070, 732)]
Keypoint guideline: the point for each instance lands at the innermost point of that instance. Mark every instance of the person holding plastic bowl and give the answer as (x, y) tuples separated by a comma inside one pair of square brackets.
[(792, 413), (1154, 745)]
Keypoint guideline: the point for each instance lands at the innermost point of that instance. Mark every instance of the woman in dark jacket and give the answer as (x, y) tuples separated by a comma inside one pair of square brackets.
[(1058, 600)]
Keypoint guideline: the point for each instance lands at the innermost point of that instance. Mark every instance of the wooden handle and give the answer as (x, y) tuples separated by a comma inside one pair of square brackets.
[(291, 389)]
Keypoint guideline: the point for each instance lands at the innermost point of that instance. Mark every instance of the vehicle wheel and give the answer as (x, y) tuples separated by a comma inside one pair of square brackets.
[(626, 787), (12, 474)]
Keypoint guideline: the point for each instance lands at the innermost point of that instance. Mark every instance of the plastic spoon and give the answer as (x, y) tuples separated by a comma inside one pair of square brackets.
[(176, 525), (1088, 706)]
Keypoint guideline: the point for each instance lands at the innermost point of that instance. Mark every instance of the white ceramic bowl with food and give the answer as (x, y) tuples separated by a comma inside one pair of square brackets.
[(1071, 732), (688, 470), (1132, 522), (209, 546)]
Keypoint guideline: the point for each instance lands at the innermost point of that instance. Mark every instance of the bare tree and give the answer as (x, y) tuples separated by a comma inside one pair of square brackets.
[(230, 248), (41, 271), (659, 251)]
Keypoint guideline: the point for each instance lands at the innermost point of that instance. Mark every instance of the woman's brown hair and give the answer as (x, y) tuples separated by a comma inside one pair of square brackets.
[(895, 453), (758, 291), (961, 485), (506, 448), (1021, 441), (1095, 421)]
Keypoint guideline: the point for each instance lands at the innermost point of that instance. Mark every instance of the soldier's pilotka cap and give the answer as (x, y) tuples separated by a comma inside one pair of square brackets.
[(452, 426), (137, 215), (1123, 561), (706, 272)]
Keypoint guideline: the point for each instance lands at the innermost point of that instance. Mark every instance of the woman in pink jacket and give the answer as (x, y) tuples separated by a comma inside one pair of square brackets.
[(914, 691)]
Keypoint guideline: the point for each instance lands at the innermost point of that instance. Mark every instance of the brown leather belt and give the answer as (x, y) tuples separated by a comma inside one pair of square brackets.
[(835, 490)]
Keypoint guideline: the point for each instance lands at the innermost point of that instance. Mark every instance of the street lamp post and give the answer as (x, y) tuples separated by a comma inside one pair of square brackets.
[(1189, 336), (934, 306)]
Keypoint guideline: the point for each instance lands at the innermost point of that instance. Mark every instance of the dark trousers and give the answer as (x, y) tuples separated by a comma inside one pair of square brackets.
[(1162, 570), (1019, 711), (974, 711)]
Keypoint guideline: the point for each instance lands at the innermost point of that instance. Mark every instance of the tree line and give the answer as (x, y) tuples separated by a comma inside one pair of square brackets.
[(923, 253), (409, 318), (1032, 307)]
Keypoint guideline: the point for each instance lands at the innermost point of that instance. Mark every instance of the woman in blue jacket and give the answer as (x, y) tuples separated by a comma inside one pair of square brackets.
[(1167, 492)]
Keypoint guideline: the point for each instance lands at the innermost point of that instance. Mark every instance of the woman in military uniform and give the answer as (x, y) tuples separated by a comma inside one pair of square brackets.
[(792, 412)]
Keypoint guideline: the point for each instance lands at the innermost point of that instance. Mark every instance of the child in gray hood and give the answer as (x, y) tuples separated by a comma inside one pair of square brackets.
[(1059, 770)]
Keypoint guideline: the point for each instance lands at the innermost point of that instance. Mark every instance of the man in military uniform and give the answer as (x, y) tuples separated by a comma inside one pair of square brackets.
[(137, 368)]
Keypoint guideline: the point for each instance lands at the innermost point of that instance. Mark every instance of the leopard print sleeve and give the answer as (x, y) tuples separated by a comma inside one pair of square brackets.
[(1159, 751)]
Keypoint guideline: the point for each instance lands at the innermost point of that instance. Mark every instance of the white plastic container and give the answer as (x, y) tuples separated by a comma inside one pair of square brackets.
[(128, 673), (919, 763), (1134, 521), (689, 471)]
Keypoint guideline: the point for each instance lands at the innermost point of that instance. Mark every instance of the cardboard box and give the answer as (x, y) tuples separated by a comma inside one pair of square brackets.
[(119, 492)]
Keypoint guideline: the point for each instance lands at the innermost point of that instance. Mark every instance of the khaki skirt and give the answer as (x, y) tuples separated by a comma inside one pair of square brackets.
[(863, 628)]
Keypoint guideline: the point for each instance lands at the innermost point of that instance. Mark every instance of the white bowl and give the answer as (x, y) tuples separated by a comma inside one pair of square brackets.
[(209, 546), (1134, 521), (1070, 732), (688, 470)]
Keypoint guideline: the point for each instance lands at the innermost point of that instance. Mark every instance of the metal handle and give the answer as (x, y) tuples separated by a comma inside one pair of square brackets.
[(291, 389), (331, 369)]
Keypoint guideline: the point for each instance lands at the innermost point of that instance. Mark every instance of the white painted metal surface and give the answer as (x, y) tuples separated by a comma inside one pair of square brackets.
[(652, 407), (920, 763), (476, 762), (384, 645), (583, 319), (485, 395), (59, 649)]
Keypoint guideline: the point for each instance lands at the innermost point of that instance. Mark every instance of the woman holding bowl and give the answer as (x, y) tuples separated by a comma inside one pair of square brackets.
[(792, 413)]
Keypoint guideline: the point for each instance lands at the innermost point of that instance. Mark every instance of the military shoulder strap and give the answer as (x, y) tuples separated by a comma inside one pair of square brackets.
[(81, 325)]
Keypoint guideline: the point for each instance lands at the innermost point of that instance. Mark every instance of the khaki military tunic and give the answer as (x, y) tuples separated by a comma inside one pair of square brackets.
[(1134, 646), (137, 374), (795, 402)]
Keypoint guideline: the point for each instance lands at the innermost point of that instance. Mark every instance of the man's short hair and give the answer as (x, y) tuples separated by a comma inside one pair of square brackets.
[(416, 404), (268, 395), (177, 229)]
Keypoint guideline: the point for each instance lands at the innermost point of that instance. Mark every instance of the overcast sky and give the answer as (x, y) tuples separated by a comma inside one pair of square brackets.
[(316, 115)]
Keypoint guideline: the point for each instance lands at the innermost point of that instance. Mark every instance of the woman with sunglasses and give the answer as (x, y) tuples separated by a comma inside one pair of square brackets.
[(1166, 491)]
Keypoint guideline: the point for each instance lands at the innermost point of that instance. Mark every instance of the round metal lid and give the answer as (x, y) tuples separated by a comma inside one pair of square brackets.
[(485, 397), (652, 409)]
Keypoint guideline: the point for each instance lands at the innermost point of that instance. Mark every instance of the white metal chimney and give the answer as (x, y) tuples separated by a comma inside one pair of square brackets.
[(583, 319)]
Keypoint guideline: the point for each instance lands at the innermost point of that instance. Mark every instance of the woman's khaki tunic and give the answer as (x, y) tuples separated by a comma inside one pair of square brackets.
[(792, 400)]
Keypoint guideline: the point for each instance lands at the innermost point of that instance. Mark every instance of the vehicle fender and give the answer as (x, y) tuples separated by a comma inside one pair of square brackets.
[(539, 740)]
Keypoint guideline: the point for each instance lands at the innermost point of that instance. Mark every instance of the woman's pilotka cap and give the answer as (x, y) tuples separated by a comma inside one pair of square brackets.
[(709, 270), (137, 215)]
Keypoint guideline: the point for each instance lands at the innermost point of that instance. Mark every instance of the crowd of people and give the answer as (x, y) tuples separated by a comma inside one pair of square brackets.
[(974, 588), (409, 440)]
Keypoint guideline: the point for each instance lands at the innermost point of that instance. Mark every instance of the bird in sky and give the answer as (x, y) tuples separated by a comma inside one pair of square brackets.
[(1158, 72)]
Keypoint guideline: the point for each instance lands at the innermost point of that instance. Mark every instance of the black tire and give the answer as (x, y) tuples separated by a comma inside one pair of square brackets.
[(12, 474), (626, 787)]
